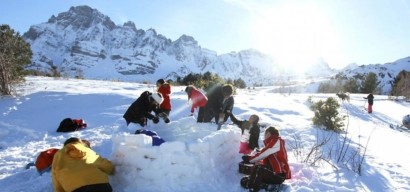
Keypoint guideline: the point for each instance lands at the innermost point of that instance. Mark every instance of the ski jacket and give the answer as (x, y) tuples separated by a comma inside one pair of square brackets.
[(370, 98), (218, 104), (227, 106), (215, 99), (253, 130), (198, 99), (141, 109), (165, 90), (76, 165), (274, 155), (156, 140)]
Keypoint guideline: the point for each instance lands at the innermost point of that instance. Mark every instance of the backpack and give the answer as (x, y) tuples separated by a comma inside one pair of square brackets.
[(45, 159), (69, 125)]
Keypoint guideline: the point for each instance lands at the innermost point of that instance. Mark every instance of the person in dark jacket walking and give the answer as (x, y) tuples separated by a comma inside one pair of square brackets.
[(165, 89), (140, 110), (250, 133), (220, 104), (198, 100), (370, 98)]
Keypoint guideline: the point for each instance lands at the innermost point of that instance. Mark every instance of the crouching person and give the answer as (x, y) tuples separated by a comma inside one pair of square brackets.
[(78, 168), (141, 109), (271, 163)]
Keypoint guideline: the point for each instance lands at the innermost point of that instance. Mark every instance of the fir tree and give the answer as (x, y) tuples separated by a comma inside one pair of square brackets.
[(15, 54)]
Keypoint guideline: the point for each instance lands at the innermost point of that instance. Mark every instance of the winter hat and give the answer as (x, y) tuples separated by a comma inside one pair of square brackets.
[(157, 97)]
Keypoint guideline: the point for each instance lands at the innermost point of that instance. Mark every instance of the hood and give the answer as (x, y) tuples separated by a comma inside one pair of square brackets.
[(76, 150), (270, 139)]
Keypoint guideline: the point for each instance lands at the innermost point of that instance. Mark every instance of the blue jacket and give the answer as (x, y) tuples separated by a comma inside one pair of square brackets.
[(156, 140)]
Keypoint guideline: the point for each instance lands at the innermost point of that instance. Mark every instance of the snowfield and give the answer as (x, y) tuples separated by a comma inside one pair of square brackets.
[(197, 157)]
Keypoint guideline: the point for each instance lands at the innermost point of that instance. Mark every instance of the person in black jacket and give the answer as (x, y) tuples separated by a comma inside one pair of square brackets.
[(141, 109), (220, 104), (250, 133), (370, 98)]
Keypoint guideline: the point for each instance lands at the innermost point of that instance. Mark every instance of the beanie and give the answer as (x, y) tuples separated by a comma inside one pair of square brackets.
[(157, 97)]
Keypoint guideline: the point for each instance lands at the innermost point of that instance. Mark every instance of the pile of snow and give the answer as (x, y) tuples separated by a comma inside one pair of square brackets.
[(176, 165)]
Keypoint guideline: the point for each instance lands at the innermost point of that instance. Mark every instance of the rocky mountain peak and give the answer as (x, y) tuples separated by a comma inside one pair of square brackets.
[(82, 17), (130, 24), (186, 39)]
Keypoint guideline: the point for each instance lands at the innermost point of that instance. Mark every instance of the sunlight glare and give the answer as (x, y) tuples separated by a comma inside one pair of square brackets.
[(296, 35)]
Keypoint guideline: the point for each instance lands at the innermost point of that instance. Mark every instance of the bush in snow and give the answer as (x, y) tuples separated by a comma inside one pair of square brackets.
[(327, 114)]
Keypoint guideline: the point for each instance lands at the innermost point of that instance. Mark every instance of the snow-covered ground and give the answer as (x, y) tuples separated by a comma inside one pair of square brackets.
[(196, 157)]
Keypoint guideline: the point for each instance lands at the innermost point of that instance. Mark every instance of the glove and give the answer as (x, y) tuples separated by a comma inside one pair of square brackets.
[(246, 158), (192, 114), (166, 120), (155, 120)]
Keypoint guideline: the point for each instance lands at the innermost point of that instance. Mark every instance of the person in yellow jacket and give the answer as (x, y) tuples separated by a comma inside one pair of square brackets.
[(78, 168)]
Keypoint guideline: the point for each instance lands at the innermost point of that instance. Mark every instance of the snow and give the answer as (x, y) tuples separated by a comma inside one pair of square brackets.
[(196, 157)]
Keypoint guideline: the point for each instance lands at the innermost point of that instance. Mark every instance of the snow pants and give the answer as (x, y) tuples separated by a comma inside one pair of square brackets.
[(370, 108), (262, 175), (103, 187)]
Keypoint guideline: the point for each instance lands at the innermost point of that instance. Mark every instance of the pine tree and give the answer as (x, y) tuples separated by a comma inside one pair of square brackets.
[(239, 83), (327, 115), (401, 84), (15, 54), (351, 85), (370, 84)]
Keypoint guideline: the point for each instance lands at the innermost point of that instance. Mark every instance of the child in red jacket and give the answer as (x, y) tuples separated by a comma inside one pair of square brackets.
[(165, 89), (198, 100), (272, 163)]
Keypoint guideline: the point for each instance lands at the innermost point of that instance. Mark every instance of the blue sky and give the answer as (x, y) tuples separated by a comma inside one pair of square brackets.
[(295, 32)]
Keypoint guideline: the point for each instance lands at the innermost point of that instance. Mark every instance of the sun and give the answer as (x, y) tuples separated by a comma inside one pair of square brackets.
[(296, 35)]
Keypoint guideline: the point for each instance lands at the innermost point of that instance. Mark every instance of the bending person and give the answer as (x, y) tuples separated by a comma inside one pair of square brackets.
[(198, 99)]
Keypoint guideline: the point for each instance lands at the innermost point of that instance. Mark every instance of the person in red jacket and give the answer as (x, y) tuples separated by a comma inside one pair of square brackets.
[(198, 100), (271, 163), (165, 89)]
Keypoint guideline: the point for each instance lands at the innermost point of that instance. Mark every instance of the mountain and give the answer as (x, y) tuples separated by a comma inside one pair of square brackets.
[(84, 42), (385, 72)]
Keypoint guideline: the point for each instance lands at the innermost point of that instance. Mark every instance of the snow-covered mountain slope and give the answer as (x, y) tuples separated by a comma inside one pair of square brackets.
[(84, 42), (195, 156), (385, 72)]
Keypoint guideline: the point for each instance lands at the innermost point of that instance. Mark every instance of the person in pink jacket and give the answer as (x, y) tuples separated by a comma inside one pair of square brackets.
[(198, 100)]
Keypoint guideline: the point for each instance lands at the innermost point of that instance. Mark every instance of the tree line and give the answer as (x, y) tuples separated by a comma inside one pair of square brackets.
[(207, 80)]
